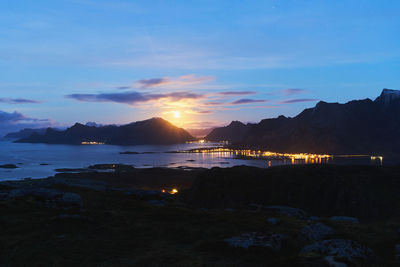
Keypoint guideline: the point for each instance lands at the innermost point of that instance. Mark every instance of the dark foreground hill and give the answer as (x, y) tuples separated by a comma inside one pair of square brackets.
[(368, 192), (107, 219), (153, 131), (356, 127)]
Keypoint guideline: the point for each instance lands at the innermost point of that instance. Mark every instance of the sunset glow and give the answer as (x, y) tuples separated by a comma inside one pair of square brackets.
[(177, 114)]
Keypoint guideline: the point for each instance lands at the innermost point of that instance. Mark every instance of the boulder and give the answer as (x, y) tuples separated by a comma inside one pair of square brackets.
[(344, 219), (315, 232), (247, 240), (339, 249)]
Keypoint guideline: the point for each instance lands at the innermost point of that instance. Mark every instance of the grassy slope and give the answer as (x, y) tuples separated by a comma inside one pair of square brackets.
[(124, 231)]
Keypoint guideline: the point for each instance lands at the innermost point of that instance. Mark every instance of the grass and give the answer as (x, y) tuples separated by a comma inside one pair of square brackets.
[(124, 231)]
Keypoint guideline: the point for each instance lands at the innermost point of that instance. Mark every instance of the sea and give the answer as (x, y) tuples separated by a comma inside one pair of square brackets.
[(42, 160)]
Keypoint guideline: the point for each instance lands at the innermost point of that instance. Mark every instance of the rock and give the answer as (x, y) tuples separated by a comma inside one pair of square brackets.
[(157, 203), (272, 241), (94, 185), (115, 167), (273, 221), (344, 219), (340, 249), (9, 166), (315, 232), (397, 252), (289, 211), (70, 199), (37, 192), (333, 263), (49, 197)]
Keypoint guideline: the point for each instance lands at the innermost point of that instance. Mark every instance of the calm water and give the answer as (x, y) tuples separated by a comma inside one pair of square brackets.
[(29, 157)]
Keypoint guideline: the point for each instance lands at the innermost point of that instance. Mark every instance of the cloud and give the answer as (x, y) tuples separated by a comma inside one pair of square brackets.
[(236, 93), (244, 101), (123, 87), (215, 103), (18, 101), (202, 124), (13, 117), (131, 98), (198, 112), (146, 83), (15, 121), (186, 81), (293, 91), (299, 100)]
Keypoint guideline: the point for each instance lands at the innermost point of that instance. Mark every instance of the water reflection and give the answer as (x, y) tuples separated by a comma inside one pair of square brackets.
[(293, 158)]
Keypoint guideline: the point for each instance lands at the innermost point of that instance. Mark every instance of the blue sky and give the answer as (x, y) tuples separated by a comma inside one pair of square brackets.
[(212, 61)]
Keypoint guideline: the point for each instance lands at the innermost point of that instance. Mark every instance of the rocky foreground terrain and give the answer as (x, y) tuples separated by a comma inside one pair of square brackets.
[(241, 216)]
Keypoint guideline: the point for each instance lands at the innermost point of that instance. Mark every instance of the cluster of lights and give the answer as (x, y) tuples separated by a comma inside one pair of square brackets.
[(264, 154), (92, 143), (173, 191), (306, 157), (203, 141)]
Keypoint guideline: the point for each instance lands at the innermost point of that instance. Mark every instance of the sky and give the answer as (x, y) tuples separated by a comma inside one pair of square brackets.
[(198, 64)]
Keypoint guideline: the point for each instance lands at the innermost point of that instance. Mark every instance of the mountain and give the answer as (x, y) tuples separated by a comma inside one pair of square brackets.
[(356, 127), (25, 133), (155, 131), (234, 132)]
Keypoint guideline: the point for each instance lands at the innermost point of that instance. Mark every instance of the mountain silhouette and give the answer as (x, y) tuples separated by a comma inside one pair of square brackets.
[(356, 127), (155, 131), (234, 132), (25, 133)]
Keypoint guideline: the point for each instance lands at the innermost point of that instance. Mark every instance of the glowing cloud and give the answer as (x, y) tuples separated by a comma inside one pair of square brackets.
[(131, 98)]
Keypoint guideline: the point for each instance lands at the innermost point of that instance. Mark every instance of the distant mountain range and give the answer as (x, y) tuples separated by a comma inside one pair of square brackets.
[(24, 133), (356, 127), (155, 131)]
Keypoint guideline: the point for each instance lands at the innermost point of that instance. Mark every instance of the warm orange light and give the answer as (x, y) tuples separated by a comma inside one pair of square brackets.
[(173, 191)]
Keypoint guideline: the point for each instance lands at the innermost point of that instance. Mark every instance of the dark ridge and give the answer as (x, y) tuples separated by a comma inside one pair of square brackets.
[(155, 131), (356, 127)]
